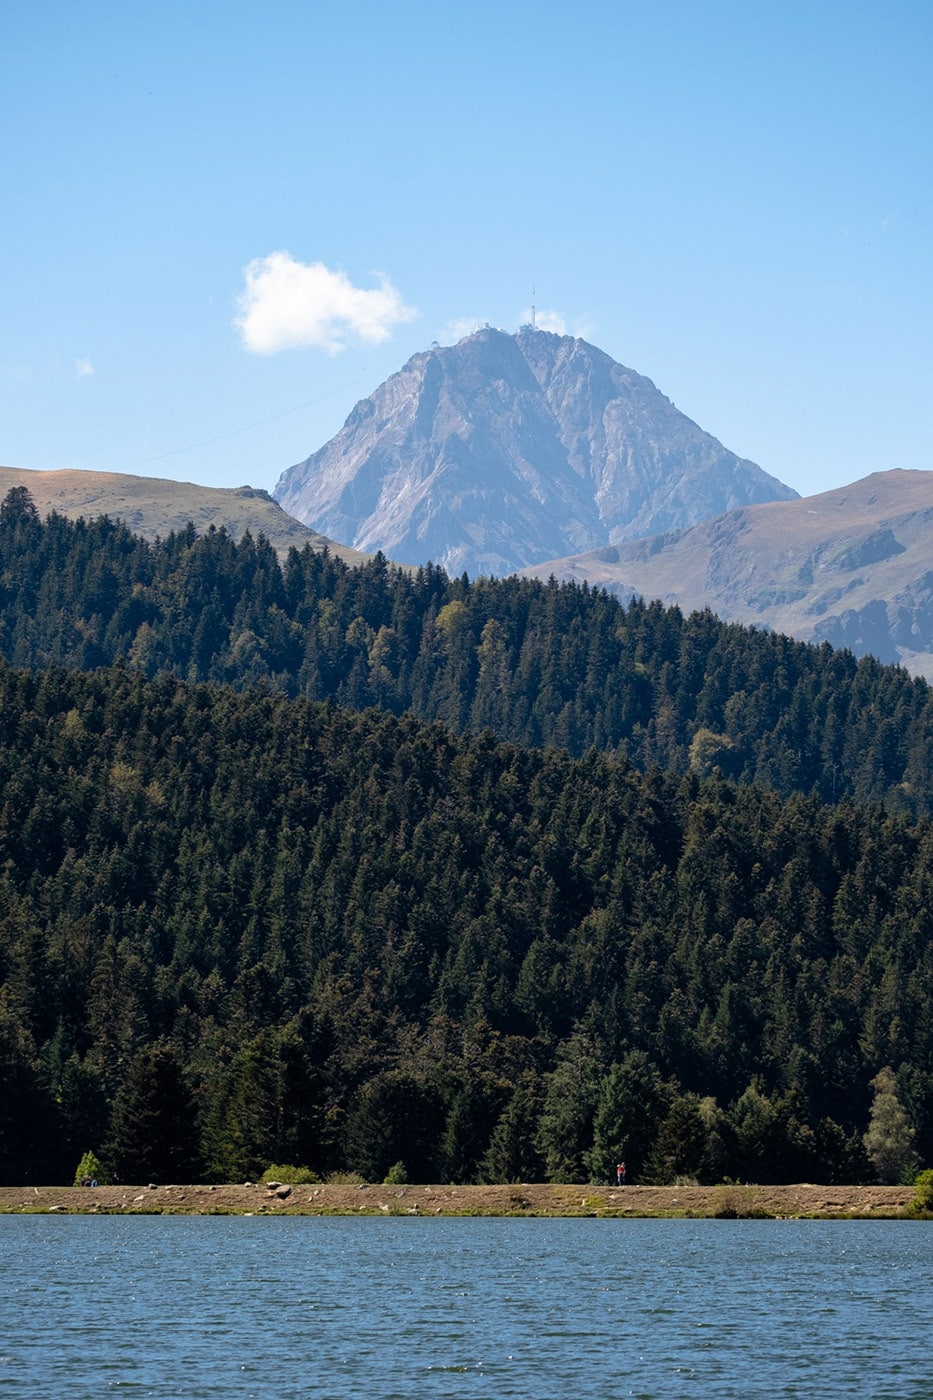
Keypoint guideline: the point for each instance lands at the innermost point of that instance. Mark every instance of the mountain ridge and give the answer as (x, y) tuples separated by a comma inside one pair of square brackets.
[(483, 455), (850, 566)]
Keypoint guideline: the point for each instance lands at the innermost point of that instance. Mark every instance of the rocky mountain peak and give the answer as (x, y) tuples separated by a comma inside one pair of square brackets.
[(504, 450)]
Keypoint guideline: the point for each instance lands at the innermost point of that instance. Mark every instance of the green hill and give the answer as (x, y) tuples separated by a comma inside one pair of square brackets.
[(583, 881), (544, 665), (154, 508), (238, 930)]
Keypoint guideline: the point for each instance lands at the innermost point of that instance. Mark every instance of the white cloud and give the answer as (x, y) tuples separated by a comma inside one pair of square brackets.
[(545, 321), (84, 369), (286, 304), (459, 327), (557, 323)]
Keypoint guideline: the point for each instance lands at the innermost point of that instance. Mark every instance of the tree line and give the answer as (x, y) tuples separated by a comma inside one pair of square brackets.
[(239, 928), (540, 665)]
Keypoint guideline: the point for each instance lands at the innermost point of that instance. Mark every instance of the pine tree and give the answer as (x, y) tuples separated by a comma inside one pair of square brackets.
[(630, 1106), (395, 1118), (512, 1154), (681, 1143), (153, 1134), (565, 1133)]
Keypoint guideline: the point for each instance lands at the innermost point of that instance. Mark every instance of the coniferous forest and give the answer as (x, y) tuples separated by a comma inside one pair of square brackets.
[(498, 880)]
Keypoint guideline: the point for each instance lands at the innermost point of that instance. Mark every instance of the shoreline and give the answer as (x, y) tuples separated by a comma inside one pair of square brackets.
[(802, 1201)]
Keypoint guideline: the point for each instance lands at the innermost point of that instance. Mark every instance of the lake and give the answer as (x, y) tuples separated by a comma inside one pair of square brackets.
[(389, 1309)]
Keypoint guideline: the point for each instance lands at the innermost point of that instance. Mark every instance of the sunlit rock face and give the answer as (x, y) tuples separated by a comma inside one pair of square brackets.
[(506, 450)]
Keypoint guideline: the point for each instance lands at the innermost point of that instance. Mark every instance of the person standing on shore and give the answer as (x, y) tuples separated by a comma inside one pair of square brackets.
[(620, 1174)]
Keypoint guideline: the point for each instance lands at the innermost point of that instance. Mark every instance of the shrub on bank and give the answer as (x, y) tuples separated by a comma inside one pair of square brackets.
[(89, 1172), (922, 1202), (290, 1176)]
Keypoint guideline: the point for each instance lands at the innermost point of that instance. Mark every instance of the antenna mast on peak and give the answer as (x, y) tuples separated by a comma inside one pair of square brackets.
[(533, 326)]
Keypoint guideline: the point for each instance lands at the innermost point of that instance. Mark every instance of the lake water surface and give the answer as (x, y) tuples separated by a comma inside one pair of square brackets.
[(392, 1309)]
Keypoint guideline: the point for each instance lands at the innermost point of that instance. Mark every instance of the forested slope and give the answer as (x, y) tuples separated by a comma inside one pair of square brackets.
[(238, 929), (539, 664)]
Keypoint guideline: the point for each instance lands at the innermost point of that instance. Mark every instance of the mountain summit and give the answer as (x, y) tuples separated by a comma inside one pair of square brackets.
[(506, 450)]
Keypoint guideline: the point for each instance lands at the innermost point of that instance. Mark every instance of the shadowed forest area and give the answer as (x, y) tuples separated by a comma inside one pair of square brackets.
[(468, 881)]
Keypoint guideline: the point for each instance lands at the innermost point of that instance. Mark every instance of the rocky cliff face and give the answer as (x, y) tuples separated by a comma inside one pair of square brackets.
[(503, 450)]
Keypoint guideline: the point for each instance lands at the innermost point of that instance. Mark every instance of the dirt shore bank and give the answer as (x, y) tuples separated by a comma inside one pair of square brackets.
[(780, 1202)]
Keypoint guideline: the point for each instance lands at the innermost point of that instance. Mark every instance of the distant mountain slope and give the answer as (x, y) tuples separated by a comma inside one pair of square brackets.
[(154, 507), (853, 567), (504, 450)]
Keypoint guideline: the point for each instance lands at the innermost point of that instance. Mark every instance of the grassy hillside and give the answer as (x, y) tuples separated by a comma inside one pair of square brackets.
[(850, 566), (154, 508)]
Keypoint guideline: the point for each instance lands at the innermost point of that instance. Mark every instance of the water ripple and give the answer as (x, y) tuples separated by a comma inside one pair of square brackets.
[(297, 1308)]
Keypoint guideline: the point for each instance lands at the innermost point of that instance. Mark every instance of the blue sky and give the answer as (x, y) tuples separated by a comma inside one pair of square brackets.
[(224, 223)]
